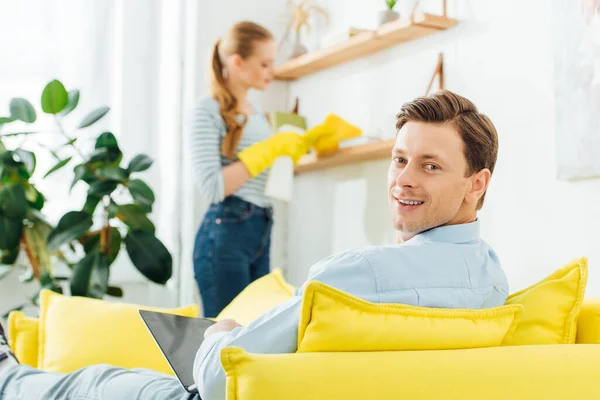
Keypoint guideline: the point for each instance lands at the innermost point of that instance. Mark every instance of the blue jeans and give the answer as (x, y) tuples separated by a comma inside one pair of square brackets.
[(231, 251), (97, 382)]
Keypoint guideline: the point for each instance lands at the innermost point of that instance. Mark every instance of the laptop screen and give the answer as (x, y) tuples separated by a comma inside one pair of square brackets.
[(179, 338)]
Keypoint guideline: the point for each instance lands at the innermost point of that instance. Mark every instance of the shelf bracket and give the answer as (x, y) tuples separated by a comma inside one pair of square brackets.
[(439, 72)]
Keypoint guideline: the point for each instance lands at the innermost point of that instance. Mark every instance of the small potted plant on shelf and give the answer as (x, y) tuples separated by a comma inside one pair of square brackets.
[(388, 15)]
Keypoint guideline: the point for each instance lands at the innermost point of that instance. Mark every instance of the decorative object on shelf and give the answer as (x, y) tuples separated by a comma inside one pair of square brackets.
[(301, 13), (437, 72), (115, 213), (388, 15)]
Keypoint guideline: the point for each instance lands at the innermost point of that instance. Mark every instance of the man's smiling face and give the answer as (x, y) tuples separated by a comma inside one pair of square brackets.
[(428, 184)]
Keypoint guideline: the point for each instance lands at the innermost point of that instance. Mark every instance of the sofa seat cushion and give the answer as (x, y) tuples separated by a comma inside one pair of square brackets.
[(495, 373)]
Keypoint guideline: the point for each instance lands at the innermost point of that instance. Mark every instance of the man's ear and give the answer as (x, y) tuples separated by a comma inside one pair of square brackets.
[(479, 183)]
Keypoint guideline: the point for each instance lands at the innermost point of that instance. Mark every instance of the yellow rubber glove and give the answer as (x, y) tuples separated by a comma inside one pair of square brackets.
[(317, 133), (342, 130), (262, 155)]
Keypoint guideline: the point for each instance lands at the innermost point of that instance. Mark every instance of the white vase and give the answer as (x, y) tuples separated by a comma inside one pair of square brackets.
[(388, 16)]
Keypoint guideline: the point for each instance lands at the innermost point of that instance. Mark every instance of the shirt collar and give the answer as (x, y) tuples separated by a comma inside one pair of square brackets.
[(459, 233)]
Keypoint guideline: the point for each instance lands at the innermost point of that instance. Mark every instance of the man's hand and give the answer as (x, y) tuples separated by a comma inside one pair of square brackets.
[(226, 325)]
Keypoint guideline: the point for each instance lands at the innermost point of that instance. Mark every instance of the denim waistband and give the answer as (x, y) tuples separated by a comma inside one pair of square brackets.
[(234, 203)]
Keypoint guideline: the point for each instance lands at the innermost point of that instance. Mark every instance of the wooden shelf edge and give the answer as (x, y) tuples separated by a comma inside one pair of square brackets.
[(363, 44), (346, 156)]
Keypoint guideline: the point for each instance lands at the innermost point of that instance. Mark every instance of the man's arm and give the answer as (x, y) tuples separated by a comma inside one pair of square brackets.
[(276, 331)]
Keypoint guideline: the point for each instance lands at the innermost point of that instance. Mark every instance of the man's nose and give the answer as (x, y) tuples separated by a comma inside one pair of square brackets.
[(408, 176)]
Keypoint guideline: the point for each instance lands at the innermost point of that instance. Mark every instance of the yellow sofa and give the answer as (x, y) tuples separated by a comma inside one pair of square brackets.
[(554, 311)]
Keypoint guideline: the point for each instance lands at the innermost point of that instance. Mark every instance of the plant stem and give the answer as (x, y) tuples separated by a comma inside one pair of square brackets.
[(35, 266), (105, 232), (60, 127)]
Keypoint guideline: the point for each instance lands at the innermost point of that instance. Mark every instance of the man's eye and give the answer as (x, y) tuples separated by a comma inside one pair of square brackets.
[(400, 160), (432, 167)]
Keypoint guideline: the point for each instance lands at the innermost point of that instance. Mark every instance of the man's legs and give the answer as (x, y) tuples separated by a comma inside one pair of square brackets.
[(98, 382)]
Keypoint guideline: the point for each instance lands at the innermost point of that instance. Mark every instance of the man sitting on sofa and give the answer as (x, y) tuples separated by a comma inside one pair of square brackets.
[(440, 169)]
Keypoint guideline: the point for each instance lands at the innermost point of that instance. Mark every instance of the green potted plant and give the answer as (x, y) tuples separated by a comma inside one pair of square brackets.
[(389, 14), (23, 228), (115, 213)]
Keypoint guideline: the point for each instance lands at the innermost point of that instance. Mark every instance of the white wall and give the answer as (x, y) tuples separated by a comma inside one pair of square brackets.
[(500, 57)]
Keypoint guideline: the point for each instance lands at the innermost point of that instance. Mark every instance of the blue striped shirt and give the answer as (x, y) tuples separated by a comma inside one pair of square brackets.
[(207, 132)]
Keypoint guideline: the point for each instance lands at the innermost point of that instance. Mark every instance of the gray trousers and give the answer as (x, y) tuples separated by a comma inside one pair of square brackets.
[(98, 382)]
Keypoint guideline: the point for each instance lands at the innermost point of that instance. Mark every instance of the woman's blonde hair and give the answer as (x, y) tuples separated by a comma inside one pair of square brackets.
[(240, 39)]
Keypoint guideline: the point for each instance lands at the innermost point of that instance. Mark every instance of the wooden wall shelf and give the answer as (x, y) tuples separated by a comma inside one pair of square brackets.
[(362, 44), (344, 156)]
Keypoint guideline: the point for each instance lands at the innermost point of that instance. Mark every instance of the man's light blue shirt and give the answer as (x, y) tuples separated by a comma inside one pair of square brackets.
[(445, 267)]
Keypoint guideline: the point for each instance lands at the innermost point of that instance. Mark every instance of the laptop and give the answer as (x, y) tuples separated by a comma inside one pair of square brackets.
[(178, 338)]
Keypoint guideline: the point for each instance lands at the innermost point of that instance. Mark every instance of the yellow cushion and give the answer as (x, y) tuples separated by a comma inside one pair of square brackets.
[(23, 337), (588, 323), (494, 373), (332, 320), (75, 332), (257, 298), (551, 306)]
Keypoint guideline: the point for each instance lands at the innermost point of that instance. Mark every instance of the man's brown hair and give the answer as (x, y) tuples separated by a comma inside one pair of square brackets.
[(477, 131)]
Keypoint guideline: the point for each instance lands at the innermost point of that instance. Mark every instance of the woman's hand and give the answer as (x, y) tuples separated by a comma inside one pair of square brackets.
[(262, 155), (226, 325)]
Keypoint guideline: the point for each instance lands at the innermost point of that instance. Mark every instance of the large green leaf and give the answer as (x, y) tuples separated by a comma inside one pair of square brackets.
[(134, 217), (54, 97), (13, 202), (27, 158), (90, 241), (111, 173), (58, 166), (149, 256), (72, 102), (99, 189), (11, 230), (34, 198), (142, 194), (82, 273), (22, 109), (114, 244), (139, 163), (72, 225), (99, 278), (91, 202), (105, 157), (6, 120), (106, 139), (114, 291), (8, 257), (93, 117), (82, 171), (13, 170), (36, 235)]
